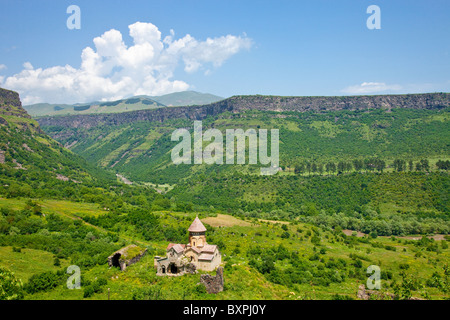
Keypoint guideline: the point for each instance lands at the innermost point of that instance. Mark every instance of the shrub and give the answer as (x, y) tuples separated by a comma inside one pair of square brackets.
[(358, 263), (386, 275), (404, 266), (285, 235), (236, 251), (151, 293), (56, 262), (315, 240), (43, 282), (10, 287), (94, 287), (200, 289)]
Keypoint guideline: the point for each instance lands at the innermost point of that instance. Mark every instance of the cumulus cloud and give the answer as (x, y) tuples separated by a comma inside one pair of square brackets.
[(112, 70), (371, 87)]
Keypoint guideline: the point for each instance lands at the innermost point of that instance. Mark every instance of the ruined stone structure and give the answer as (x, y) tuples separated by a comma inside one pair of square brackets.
[(126, 256), (196, 255), (213, 284)]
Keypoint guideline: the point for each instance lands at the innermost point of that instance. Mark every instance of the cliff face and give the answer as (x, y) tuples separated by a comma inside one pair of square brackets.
[(10, 104), (302, 104), (263, 103), (13, 114)]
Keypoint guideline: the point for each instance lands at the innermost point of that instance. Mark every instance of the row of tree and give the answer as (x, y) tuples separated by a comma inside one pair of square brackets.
[(371, 164), (443, 165)]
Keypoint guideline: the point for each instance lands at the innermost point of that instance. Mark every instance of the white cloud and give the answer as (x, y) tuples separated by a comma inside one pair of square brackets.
[(2, 67), (371, 87), (112, 70)]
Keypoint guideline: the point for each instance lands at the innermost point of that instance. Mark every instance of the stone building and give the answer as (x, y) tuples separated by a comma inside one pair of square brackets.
[(126, 256), (196, 255)]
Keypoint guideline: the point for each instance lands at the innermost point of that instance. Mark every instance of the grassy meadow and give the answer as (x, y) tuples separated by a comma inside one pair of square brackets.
[(263, 259)]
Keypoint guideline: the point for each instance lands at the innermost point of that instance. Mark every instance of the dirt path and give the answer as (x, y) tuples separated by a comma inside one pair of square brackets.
[(124, 180)]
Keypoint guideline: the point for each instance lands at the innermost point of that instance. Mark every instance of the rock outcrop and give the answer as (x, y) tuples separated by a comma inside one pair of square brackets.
[(213, 284), (11, 111), (10, 104), (364, 294)]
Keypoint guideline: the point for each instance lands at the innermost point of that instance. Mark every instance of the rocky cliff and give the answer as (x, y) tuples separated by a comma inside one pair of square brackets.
[(13, 114), (10, 104), (237, 104)]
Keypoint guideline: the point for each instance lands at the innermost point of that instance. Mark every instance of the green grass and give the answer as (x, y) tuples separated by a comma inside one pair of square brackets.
[(326, 128), (69, 209), (28, 262)]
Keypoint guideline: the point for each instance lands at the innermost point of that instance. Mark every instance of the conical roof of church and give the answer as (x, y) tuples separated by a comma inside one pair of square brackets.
[(197, 226)]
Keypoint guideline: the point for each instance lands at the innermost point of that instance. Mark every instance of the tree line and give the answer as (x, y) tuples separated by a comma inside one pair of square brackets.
[(369, 164)]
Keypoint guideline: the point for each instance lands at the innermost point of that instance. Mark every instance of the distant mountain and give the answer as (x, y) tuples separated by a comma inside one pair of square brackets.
[(123, 105), (186, 98)]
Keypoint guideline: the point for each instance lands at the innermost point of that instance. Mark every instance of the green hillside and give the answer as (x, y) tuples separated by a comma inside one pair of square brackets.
[(41, 109), (320, 137), (29, 158), (123, 105), (34, 165), (186, 98)]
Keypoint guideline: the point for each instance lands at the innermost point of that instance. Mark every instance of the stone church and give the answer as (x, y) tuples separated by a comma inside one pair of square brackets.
[(196, 255)]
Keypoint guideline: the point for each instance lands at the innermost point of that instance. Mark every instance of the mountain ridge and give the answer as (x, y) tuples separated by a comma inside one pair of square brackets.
[(238, 104), (140, 102)]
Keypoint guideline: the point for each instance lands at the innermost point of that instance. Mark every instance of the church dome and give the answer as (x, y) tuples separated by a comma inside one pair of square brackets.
[(197, 226)]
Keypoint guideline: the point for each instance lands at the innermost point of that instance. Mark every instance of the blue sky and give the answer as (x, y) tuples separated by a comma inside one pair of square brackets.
[(255, 47)]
